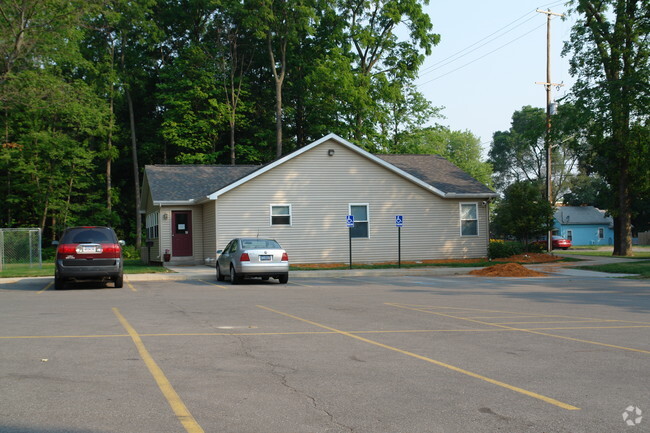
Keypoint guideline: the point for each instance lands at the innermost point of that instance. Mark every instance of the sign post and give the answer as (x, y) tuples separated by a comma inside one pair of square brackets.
[(350, 224), (399, 222)]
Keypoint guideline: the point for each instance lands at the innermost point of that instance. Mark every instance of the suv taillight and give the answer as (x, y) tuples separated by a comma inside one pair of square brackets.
[(67, 249), (111, 248), (285, 257), (244, 258)]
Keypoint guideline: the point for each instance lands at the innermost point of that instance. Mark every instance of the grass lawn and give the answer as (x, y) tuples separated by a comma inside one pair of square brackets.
[(643, 255), (641, 267), (131, 266)]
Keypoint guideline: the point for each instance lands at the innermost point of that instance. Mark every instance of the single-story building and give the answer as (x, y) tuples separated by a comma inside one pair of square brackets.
[(584, 225), (302, 200)]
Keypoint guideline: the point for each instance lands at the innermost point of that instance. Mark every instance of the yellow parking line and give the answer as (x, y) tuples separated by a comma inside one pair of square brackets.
[(50, 284), (177, 405), (133, 289), (432, 361), (530, 331), (553, 321), (214, 284)]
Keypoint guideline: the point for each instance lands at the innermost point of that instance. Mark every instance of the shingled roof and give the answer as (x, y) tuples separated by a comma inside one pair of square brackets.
[(169, 183), (193, 183), (438, 172)]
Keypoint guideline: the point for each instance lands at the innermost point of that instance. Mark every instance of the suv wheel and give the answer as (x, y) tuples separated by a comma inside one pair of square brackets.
[(119, 282)]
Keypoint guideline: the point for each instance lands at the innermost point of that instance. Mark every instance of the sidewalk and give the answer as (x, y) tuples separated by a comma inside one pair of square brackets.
[(556, 269)]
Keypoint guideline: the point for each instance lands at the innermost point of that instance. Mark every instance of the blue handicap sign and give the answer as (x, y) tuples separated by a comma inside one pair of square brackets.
[(350, 220), (399, 221)]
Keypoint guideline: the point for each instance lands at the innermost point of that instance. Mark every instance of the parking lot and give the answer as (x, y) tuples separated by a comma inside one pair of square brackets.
[(356, 354)]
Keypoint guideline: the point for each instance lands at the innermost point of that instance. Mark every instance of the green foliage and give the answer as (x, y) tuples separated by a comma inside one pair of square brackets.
[(498, 249), (519, 154), (523, 212)]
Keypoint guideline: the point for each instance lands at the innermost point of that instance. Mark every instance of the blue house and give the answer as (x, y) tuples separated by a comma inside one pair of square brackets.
[(584, 225)]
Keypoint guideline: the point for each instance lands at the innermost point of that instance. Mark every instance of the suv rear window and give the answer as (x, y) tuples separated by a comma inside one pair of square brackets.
[(94, 235)]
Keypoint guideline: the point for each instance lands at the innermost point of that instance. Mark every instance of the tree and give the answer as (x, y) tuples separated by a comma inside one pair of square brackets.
[(519, 154), (371, 33), (462, 148), (280, 23), (610, 58), (523, 212)]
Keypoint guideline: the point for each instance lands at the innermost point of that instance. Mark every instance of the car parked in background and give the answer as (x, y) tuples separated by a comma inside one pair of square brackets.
[(253, 257), (558, 242), (88, 254)]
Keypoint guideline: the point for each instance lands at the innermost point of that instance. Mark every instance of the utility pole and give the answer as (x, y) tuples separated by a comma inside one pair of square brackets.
[(548, 144)]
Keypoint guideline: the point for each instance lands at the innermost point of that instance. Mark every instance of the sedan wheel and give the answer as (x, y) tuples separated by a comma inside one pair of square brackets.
[(284, 278), (234, 278), (220, 276)]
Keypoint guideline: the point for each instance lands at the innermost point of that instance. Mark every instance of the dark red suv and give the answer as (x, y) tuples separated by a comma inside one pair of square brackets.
[(88, 253)]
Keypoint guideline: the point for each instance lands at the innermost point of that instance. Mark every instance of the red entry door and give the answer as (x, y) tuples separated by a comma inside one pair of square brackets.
[(182, 233)]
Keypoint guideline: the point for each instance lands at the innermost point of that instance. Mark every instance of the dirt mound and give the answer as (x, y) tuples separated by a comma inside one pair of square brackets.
[(506, 270)]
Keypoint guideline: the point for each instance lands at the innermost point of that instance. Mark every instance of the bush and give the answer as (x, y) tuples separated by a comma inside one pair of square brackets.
[(130, 252), (502, 249)]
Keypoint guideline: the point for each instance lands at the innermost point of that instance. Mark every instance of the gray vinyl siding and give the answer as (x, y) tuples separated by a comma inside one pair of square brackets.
[(320, 188)]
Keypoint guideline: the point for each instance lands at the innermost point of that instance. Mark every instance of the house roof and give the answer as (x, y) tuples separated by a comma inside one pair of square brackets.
[(195, 183), (183, 183), (438, 172), (572, 215)]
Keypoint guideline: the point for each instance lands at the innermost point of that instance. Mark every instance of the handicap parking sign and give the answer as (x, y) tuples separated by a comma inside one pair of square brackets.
[(350, 220), (399, 221)]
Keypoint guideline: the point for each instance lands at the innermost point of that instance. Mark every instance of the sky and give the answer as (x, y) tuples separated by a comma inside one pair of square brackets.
[(488, 60)]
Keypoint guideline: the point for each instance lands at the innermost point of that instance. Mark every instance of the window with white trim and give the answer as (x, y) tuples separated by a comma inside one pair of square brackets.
[(601, 233), (469, 219), (152, 225), (280, 214), (361, 216)]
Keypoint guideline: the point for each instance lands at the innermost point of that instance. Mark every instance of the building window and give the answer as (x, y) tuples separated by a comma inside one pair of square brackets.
[(468, 219), (361, 220), (569, 235), (280, 214), (152, 225), (601, 233)]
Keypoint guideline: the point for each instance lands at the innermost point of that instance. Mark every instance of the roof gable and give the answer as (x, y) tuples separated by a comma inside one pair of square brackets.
[(441, 177)]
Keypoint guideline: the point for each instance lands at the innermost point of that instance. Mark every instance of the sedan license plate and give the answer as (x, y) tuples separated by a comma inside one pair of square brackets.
[(266, 258)]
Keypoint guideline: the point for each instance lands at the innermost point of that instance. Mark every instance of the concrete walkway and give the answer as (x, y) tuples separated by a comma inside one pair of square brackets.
[(557, 269)]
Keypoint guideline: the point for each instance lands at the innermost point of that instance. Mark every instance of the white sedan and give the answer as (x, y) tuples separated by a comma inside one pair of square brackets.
[(253, 257)]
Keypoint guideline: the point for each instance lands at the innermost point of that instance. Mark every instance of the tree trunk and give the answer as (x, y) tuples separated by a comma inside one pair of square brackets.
[(136, 174), (278, 119)]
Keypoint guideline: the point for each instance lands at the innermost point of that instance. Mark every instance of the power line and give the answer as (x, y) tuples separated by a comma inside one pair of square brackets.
[(486, 40), (483, 56)]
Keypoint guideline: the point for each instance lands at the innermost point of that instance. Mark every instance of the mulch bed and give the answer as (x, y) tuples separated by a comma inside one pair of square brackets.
[(506, 270)]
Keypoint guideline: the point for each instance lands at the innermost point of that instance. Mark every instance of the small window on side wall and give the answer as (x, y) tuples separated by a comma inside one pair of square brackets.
[(280, 214), (361, 220), (468, 219)]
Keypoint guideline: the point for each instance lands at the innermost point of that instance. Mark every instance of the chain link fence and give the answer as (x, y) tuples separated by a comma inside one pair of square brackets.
[(20, 248)]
